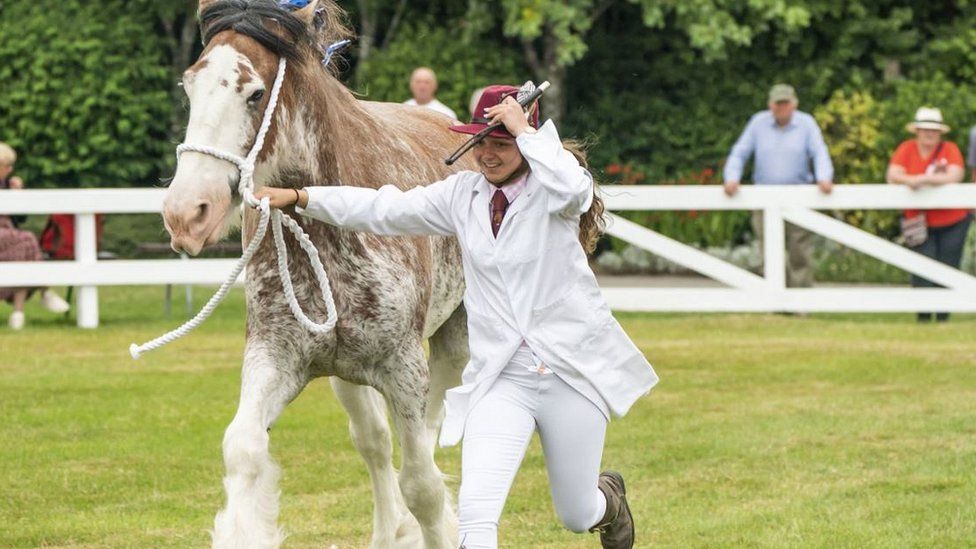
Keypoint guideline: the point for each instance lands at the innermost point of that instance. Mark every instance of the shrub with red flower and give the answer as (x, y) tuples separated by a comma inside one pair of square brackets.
[(705, 176), (703, 228), (624, 174)]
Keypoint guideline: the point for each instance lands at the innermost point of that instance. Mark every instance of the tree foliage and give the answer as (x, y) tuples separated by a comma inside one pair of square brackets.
[(851, 126), (460, 63), (662, 85), (655, 98), (86, 94)]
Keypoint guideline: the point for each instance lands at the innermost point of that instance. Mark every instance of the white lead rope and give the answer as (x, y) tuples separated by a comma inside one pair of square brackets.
[(246, 189)]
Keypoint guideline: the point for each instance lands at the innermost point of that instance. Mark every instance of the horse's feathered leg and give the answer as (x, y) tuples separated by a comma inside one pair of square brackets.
[(251, 515), (370, 432), (421, 482)]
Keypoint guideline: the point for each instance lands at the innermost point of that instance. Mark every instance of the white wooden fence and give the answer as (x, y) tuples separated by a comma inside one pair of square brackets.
[(87, 272), (745, 291), (795, 204)]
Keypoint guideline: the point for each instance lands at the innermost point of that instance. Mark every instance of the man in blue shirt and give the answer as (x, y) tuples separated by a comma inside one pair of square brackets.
[(785, 142)]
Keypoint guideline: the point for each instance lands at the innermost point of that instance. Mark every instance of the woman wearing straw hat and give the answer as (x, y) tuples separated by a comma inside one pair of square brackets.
[(546, 354), (929, 161)]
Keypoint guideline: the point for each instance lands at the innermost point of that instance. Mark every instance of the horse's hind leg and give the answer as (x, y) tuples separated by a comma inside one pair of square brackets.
[(448, 355), (370, 432), (251, 515), (421, 482)]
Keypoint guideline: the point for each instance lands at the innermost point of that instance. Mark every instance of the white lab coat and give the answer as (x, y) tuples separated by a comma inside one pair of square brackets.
[(532, 282)]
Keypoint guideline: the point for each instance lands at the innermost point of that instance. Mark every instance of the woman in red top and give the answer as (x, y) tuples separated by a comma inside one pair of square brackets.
[(928, 160)]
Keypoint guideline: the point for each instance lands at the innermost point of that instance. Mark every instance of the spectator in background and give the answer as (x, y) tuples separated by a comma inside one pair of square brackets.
[(18, 245), (423, 87), (7, 181), (929, 161), (784, 141)]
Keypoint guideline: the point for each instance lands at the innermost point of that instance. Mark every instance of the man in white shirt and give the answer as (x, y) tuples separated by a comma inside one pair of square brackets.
[(423, 87)]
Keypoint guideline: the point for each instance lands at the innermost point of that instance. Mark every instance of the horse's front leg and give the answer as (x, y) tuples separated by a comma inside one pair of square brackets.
[(370, 432), (421, 482), (270, 379)]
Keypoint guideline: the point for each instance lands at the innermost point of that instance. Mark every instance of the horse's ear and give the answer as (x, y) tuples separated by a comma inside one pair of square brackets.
[(307, 14)]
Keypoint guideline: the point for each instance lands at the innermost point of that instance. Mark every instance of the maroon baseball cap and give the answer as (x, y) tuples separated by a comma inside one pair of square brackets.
[(493, 95)]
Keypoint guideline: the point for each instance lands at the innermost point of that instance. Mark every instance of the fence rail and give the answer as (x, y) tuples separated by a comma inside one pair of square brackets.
[(745, 291), (797, 205)]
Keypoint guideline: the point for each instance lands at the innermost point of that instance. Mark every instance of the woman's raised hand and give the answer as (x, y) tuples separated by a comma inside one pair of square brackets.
[(510, 113)]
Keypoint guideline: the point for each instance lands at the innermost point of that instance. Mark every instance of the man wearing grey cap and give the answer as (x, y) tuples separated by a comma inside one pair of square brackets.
[(785, 142)]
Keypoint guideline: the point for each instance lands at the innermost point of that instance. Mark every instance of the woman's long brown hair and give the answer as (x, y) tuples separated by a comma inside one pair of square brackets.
[(592, 223)]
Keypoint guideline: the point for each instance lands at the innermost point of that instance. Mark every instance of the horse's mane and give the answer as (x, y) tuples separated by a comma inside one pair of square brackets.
[(250, 18), (390, 136)]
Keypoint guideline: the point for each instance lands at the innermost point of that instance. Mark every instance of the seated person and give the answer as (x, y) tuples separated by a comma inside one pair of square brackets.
[(18, 245)]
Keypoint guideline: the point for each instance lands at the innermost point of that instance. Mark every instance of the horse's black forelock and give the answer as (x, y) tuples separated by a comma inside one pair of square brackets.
[(251, 18)]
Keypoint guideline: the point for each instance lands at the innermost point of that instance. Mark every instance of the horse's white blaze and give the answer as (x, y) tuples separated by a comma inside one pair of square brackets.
[(220, 117), (219, 114)]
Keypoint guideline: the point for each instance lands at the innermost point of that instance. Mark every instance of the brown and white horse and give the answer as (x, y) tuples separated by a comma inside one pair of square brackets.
[(390, 293)]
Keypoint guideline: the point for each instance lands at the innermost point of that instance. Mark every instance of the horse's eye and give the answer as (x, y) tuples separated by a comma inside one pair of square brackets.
[(255, 97)]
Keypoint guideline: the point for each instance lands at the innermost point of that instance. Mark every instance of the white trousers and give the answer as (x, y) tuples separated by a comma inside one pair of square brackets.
[(496, 435)]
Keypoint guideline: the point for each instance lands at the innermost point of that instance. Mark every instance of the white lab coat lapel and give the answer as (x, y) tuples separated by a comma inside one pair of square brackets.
[(524, 198), (481, 207)]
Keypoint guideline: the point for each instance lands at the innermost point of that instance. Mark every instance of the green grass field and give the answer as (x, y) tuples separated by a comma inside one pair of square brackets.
[(766, 431)]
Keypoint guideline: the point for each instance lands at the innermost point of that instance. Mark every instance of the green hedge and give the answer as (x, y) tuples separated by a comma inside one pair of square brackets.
[(86, 92)]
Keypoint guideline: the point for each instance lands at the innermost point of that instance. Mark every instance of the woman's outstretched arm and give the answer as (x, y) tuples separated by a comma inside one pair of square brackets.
[(386, 211)]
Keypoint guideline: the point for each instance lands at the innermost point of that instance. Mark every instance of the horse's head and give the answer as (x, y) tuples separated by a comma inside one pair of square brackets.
[(228, 89)]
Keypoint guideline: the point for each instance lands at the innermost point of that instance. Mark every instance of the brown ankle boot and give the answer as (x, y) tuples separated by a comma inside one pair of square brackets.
[(617, 526)]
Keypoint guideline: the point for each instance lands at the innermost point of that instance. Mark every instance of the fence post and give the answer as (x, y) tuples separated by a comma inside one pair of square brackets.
[(86, 253), (774, 261)]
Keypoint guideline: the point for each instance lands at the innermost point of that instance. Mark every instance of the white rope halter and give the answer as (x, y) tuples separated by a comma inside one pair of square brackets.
[(246, 189)]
